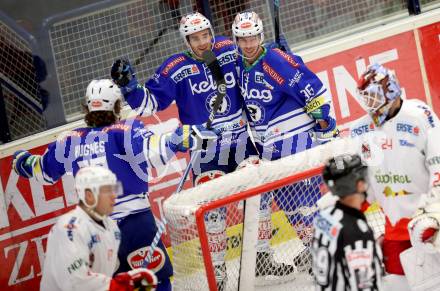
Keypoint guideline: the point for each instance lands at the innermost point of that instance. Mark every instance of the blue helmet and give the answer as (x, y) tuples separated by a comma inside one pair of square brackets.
[(377, 90)]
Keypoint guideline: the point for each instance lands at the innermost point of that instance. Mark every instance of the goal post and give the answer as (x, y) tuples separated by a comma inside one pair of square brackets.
[(288, 231), (236, 198)]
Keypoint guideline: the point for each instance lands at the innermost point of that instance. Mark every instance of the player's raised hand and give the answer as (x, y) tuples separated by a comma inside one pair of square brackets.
[(123, 75)]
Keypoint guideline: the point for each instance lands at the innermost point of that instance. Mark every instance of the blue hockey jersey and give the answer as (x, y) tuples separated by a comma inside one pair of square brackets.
[(127, 148), (189, 82), (279, 91)]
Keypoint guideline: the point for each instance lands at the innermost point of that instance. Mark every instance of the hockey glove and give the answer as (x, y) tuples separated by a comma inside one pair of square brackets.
[(123, 75), (324, 135), (23, 163), (424, 227), (190, 137), (137, 279)]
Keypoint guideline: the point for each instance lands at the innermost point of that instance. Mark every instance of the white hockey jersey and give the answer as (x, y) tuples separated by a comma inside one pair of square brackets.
[(404, 162), (81, 254)]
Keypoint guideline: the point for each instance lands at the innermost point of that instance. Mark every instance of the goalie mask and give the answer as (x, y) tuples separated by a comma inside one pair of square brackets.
[(247, 24), (93, 179), (193, 23), (377, 90), (102, 95), (342, 173)]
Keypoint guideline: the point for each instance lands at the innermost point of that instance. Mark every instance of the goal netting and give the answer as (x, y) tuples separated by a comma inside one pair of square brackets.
[(290, 186)]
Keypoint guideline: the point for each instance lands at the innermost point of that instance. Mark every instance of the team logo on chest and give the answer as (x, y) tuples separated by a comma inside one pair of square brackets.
[(225, 107), (138, 259), (256, 112)]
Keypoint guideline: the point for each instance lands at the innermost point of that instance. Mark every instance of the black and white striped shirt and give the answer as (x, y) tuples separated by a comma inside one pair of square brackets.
[(345, 254)]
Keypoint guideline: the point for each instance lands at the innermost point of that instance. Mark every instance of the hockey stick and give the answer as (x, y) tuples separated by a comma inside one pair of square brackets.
[(276, 23), (175, 13), (142, 56), (211, 61), (214, 66)]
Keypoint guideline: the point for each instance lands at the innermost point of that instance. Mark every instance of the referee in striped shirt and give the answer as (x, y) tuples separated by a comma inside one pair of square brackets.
[(345, 253)]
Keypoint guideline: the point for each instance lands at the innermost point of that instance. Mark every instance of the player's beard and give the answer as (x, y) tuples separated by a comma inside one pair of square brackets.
[(198, 53), (252, 55)]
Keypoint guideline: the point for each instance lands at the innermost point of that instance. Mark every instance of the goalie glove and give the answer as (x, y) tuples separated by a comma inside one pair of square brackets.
[(24, 163), (137, 279), (190, 137), (423, 228), (124, 76)]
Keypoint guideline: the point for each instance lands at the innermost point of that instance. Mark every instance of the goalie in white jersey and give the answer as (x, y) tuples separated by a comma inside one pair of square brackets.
[(399, 141), (82, 247)]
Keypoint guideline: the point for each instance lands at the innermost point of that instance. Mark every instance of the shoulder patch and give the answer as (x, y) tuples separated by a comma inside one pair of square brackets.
[(273, 74), (117, 126), (286, 57), (70, 226), (223, 43), (172, 64), (71, 133), (428, 114)]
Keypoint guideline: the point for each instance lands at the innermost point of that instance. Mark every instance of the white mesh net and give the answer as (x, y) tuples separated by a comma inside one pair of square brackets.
[(19, 84), (290, 186)]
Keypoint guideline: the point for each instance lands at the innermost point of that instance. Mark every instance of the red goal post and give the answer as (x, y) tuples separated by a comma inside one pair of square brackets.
[(186, 214)]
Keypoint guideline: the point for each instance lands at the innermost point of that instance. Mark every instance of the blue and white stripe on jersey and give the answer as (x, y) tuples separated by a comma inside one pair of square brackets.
[(283, 127), (130, 204), (148, 105)]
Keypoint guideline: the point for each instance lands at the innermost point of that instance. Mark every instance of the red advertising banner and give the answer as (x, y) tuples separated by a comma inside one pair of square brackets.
[(430, 43), (28, 209)]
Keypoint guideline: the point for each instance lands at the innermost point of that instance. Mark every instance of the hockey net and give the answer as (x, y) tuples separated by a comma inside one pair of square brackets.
[(293, 184)]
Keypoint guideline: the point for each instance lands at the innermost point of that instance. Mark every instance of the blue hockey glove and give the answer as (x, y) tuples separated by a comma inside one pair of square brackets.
[(23, 163), (190, 137), (324, 135), (123, 75)]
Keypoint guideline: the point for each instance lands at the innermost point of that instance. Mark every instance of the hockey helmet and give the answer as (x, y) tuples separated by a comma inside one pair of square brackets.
[(93, 178), (377, 90), (342, 173), (192, 23), (101, 95), (247, 24)]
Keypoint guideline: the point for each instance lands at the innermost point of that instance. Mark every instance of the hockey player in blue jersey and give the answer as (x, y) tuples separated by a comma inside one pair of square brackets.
[(185, 79), (128, 149), (288, 112)]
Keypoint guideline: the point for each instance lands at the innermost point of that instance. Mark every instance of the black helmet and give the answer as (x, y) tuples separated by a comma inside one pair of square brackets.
[(342, 173)]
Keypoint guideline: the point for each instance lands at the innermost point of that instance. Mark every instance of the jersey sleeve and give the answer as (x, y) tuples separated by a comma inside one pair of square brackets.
[(58, 158), (431, 126), (158, 92), (144, 149), (300, 82), (69, 259)]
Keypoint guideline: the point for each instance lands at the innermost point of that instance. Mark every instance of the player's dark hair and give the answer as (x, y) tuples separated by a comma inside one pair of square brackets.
[(102, 118)]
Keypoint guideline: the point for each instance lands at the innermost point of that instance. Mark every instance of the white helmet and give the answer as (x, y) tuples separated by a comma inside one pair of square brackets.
[(247, 24), (192, 23), (101, 95), (93, 178)]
